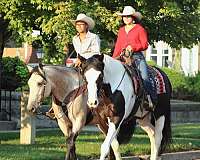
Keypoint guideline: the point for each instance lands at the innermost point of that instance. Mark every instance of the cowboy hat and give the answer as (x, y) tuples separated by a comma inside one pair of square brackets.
[(82, 17), (129, 10)]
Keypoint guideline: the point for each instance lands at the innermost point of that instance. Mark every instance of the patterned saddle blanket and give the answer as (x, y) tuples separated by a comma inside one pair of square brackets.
[(156, 78)]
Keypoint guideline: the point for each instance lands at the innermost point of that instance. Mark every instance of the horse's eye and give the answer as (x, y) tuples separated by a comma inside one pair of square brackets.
[(39, 83)]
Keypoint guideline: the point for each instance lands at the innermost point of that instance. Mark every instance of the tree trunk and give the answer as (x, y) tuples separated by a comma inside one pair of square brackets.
[(1, 55)]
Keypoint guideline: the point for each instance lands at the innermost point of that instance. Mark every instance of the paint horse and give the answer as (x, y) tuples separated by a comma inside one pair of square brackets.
[(102, 70), (69, 102)]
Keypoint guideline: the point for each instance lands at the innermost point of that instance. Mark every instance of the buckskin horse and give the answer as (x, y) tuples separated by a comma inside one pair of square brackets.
[(67, 88), (102, 71)]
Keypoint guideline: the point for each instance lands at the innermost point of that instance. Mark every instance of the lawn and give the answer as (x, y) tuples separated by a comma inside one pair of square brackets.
[(50, 145)]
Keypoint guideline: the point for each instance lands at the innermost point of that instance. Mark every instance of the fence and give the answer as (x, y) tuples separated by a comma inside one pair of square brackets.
[(5, 107), (9, 109)]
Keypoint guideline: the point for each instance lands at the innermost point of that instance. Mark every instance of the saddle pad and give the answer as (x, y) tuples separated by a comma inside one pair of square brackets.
[(159, 81), (156, 78)]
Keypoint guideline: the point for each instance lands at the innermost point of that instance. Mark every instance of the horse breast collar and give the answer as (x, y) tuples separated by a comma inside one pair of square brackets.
[(72, 95)]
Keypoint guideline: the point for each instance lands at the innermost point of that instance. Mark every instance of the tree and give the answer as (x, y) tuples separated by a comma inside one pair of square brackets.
[(175, 22), (4, 35)]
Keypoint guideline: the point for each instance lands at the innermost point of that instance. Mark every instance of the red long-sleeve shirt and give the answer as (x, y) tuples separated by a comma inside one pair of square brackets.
[(136, 37)]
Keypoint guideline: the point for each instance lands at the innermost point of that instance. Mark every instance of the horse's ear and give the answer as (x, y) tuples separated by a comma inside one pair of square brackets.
[(30, 69), (82, 59), (101, 56), (40, 67)]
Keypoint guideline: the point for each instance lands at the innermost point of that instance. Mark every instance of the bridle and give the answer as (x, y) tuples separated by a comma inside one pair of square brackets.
[(42, 86)]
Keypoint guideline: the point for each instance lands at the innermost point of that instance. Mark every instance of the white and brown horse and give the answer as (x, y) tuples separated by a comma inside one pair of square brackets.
[(102, 71)]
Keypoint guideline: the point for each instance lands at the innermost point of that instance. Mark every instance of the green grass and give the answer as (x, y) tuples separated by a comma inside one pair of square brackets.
[(50, 145)]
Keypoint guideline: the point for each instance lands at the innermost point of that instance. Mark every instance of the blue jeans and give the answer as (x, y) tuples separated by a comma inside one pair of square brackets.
[(141, 65)]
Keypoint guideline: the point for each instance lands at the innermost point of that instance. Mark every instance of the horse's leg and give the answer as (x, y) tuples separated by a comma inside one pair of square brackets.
[(71, 153), (159, 125), (111, 155), (115, 147), (63, 122), (111, 134), (77, 112), (146, 125)]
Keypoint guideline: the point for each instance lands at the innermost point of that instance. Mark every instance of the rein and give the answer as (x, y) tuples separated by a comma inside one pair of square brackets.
[(121, 79)]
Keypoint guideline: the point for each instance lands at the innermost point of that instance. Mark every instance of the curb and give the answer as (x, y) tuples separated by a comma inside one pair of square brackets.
[(187, 155)]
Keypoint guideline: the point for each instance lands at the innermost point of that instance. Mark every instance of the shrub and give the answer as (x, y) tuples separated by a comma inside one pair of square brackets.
[(14, 73), (186, 88), (177, 79), (193, 86)]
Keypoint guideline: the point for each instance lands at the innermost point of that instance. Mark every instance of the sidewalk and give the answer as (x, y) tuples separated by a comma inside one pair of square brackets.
[(187, 155)]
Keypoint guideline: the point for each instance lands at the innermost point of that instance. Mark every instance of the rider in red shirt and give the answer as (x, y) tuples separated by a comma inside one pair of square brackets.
[(136, 38), (132, 40)]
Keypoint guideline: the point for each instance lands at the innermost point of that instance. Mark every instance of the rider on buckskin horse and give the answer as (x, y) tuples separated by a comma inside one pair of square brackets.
[(131, 41), (85, 42)]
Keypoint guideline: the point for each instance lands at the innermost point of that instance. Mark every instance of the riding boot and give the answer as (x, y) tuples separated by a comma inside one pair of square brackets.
[(51, 114)]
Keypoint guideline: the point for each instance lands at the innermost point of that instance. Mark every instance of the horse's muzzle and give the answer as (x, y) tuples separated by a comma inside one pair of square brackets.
[(32, 110), (92, 104)]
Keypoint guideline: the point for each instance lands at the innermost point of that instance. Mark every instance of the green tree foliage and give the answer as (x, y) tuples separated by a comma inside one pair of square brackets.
[(14, 74), (175, 21)]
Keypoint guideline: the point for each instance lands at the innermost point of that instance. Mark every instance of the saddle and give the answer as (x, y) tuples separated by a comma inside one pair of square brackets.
[(141, 107)]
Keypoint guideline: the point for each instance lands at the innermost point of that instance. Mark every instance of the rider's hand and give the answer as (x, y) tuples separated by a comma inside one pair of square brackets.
[(129, 48), (128, 51), (77, 63)]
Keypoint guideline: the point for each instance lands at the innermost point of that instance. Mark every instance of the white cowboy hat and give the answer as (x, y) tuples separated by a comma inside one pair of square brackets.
[(82, 17), (129, 10)]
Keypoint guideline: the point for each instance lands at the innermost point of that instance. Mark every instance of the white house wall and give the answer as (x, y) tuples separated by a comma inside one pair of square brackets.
[(189, 57), (160, 47), (189, 60)]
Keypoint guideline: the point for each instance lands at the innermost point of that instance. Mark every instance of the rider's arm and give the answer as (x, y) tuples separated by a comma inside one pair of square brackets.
[(95, 44), (118, 46)]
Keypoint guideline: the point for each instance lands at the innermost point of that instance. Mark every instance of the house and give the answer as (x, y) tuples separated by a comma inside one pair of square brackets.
[(185, 60), (26, 53)]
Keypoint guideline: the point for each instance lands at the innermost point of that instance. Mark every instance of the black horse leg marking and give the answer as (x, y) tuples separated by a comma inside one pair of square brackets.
[(71, 152), (111, 155)]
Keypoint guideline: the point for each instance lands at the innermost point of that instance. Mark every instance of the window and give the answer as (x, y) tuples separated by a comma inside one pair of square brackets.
[(165, 57), (154, 58), (165, 51), (165, 61), (154, 51)]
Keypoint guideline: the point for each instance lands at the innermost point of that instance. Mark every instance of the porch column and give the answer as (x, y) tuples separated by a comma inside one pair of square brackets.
[(28, 128)]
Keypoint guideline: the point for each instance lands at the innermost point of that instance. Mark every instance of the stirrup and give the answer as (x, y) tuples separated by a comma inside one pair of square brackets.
[(51, 114)]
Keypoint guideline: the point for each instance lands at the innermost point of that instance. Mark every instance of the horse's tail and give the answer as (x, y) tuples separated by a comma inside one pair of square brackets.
[(167, 137), (126, 130), (164, 102)]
